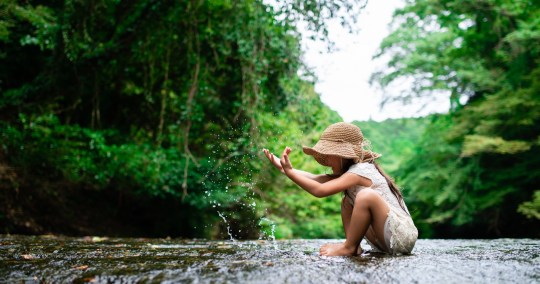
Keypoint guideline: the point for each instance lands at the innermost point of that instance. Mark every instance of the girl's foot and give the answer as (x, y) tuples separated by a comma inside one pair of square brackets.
[(337, 250)]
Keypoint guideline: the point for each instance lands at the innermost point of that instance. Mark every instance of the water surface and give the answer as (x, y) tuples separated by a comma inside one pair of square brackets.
[(34, 259)]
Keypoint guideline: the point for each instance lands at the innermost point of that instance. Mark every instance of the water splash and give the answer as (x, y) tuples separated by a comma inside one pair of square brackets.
[(230, 184), (228, 226)]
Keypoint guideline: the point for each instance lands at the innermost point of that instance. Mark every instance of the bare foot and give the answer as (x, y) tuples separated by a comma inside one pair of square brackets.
[(337, 250)]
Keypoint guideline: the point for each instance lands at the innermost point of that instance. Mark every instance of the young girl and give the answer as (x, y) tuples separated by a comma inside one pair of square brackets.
[(372, 206)]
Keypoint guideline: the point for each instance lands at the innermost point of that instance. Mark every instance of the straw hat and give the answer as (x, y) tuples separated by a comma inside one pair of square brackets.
[(343, 140)]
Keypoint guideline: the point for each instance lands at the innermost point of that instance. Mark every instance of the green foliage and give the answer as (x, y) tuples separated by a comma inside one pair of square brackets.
[(531, 209), (395, 139), (474, 166), (39, 17), (161, 99), (476, 144), (316, 14)]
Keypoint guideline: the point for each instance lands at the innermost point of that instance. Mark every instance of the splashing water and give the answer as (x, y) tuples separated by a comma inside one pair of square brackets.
[(228, 226), (230, 185)]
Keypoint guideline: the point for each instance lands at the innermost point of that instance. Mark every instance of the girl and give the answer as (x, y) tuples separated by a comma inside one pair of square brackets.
[(372, 206)]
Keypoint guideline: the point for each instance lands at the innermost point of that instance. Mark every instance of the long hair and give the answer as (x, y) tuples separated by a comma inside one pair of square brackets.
[(392, 185)]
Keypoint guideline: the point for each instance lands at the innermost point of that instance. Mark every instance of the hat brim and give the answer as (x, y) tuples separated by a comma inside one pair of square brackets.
[(325, 148)]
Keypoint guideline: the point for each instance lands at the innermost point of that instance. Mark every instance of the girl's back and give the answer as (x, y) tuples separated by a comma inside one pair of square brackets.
[(380, 185)]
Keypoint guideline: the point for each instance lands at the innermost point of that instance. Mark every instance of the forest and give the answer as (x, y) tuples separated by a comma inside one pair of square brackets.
[(148, 117)]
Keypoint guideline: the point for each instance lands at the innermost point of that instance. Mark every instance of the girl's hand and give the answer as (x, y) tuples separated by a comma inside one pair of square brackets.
[(284, 161), (274, 160)]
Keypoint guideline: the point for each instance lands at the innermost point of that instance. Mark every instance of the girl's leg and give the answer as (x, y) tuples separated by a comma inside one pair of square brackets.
[(369, 209), (346, 212)]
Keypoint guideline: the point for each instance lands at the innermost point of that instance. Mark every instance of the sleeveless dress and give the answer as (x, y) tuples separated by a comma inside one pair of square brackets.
[(400, 233)]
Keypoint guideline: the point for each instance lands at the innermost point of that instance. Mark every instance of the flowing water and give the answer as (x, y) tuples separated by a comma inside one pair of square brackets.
[(51, 259)]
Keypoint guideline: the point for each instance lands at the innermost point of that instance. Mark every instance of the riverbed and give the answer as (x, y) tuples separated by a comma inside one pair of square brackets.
[(52, 259)]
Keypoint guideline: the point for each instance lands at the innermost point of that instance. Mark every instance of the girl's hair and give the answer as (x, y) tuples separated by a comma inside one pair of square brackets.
[(345, 165), (392, 185)]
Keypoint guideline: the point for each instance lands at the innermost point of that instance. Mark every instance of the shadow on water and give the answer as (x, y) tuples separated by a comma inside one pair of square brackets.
[(33, 259)]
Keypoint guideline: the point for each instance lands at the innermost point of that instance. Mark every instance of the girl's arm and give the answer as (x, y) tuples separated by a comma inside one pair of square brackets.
[(317, 178), (317, 189), (275, 161)]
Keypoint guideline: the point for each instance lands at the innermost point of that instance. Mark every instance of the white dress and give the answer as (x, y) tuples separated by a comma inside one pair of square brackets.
[(400, 234)]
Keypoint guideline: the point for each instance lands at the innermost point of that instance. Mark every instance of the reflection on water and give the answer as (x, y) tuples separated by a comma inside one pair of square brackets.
[(34, 259)]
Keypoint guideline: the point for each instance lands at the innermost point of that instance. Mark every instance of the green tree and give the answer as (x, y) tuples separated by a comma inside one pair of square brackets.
[(159, 102), (478, 163)]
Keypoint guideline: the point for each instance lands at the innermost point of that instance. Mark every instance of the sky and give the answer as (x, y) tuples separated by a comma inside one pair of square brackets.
[(343, 75)]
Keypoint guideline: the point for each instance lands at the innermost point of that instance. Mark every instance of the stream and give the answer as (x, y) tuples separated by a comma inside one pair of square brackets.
[(53, 259)]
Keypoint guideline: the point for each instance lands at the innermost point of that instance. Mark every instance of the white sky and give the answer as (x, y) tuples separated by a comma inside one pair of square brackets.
[(343, 76)]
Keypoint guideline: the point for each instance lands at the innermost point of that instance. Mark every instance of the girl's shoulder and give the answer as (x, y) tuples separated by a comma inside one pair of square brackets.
[(363, 169)]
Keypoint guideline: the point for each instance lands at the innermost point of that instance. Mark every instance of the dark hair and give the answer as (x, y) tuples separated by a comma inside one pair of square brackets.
[(392, 185), (346, 164)]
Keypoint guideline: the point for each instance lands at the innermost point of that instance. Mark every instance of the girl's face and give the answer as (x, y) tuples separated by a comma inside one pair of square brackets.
[(335, 163)]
